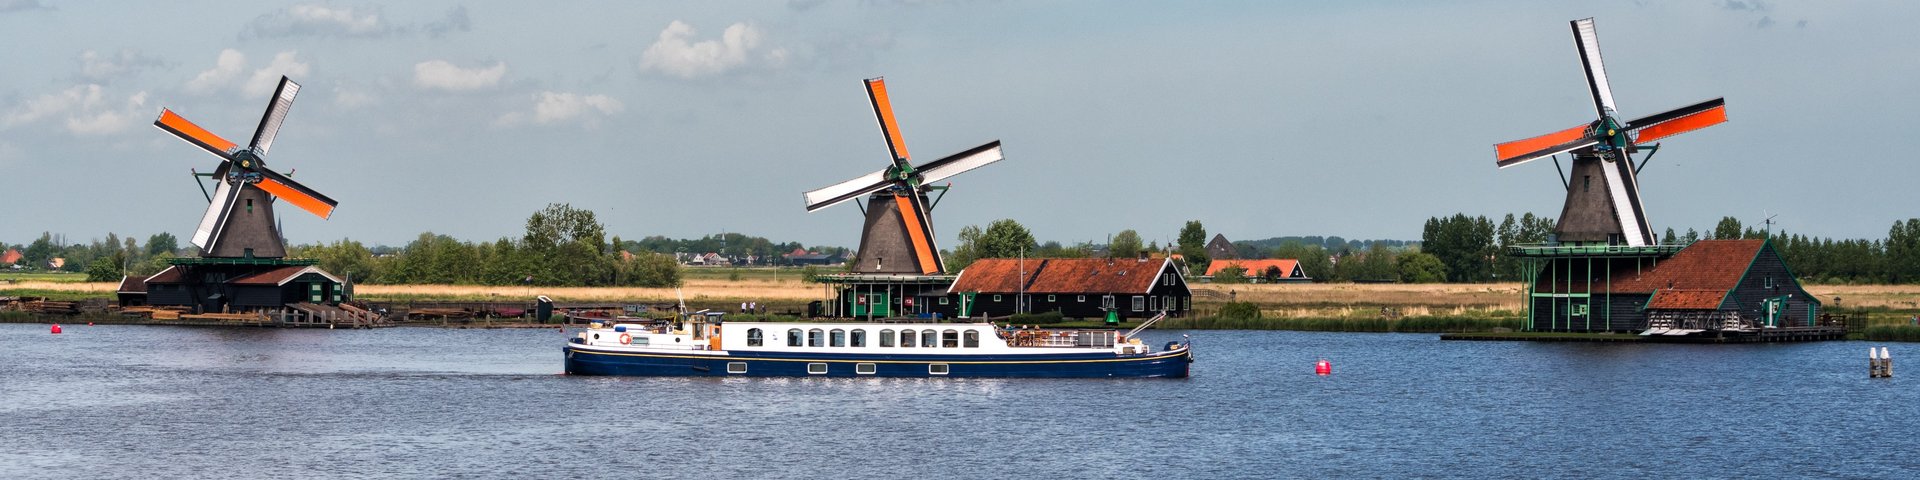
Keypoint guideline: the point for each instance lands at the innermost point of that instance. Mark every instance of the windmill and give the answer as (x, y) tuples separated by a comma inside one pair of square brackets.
[(239, 222), (1610, 212), (898, 236)]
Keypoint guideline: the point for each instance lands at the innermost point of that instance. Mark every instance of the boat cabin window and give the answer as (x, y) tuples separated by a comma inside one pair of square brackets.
[(950, 339), (837, 338), (736, 367), (816, 369), (937, 369), (857, 339), (929, 338), (906, 338), (865, 368), (793, 337), (973, 339), (886, 338), (754, 338), (816, 338)]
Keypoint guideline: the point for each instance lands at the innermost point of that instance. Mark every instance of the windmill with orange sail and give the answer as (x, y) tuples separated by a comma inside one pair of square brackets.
[(239, 221), (1603, 203)]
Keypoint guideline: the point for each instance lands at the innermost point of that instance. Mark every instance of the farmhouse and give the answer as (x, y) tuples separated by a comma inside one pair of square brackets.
[(1270, 270), (1709, 285), (1075, 287)]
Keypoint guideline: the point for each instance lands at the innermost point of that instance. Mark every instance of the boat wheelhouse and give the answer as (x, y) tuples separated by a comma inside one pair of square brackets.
[(699, 346)]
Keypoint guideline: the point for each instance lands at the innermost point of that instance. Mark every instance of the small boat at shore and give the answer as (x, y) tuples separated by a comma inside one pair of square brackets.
[(698, 345)]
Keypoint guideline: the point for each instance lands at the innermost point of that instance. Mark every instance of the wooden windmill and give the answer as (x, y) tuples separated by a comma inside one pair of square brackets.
[(239, 222), (898, 237), (1603, 193)]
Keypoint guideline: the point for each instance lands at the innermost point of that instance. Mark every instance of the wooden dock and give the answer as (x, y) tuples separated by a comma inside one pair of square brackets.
[(1770, 335)]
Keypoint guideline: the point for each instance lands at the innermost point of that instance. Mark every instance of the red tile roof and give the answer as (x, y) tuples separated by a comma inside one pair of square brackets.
[(11, 256), (1061, 275), (1690, 299), (1255, 268), (1705, 265)]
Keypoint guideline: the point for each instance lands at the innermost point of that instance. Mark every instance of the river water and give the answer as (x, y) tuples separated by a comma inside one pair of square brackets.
[(147, 402)]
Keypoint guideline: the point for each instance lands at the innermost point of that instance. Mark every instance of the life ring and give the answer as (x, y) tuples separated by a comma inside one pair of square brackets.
[(626, 339)]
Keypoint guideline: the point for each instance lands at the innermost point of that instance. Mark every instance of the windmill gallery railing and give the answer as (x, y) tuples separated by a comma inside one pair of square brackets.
[(1593, 250)]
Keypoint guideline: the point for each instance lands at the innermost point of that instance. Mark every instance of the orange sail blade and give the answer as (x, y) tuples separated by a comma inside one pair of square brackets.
[(180, 127), (298, 197), (917, 234), (877, 92), (1687, 123), (1510, 150)]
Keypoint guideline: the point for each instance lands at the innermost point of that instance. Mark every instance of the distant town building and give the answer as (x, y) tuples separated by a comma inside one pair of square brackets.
[(1263, 270), (1219, 248), (10, 257)]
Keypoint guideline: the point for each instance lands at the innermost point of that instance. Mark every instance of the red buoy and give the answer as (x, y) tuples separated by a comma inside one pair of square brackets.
[(56, 329), (1323, 367)]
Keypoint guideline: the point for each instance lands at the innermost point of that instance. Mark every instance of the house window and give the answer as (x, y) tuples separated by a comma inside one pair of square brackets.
[(736, 367), (754, 338), (950, 339), (838, 337), (1153, 303), (929, 338), (1080, 298), (858, 339), (937, 369), (996, 298), (973, 339), (816, 369), (1767, 282), (793, 337), (943, 300), (1049, 298), (1139, 303), (886, 338), (906, 338), (865, 368), (816, 338), (1106, 301)]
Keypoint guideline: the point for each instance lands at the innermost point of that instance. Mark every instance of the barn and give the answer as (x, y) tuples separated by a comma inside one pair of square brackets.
[(1075, 287), (230, 285), (1708, 285)]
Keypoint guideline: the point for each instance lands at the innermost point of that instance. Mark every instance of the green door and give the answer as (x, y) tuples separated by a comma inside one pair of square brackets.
[(1775, 309), (871, 304), (315, 293)]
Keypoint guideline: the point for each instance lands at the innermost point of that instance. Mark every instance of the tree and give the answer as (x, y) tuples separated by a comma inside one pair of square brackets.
[(40, 251), (1193, 245), (1669, 238), (1728, 228), (162, 242), (106, 269), (1005, 238), (1903, 251), (967, 251), (342, 257), (1464, 244), (1231, 275), (1421, 267), (1125, 244)]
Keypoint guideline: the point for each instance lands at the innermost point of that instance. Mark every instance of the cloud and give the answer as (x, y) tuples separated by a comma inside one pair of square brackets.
[(557, 107), (739, 46), (311, 20), (9, 6), (226, 68), (456, 21), (100, 67), (232, 64), (444, 75), (352, 99), (80, 110), (1744, 5)]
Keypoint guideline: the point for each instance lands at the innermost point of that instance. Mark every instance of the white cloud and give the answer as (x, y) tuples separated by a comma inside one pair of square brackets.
[(557, 107), (80, 110), (228, 69), (319, 21), (96, 66), (225, 69), (444, 75), (351, 99), (266, 78), (739, 46)]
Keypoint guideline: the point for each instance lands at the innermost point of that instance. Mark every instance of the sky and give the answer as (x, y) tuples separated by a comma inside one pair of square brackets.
[(683, 119)]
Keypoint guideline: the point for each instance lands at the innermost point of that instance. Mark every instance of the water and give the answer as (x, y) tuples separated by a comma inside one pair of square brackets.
[(146, 402)]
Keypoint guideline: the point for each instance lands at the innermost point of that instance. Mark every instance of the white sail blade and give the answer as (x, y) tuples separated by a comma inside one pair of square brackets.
[(210, 223), (847, 190), (945, 168), (1589, 43), (1624, 206)]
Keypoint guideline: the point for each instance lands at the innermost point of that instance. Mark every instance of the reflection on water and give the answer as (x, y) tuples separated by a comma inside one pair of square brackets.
[(122, 401)]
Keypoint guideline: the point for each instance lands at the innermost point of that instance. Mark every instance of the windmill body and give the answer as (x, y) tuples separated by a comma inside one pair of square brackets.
[(898, 236)]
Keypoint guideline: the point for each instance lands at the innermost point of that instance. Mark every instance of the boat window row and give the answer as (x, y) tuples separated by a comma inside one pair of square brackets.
[(909, 338)]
